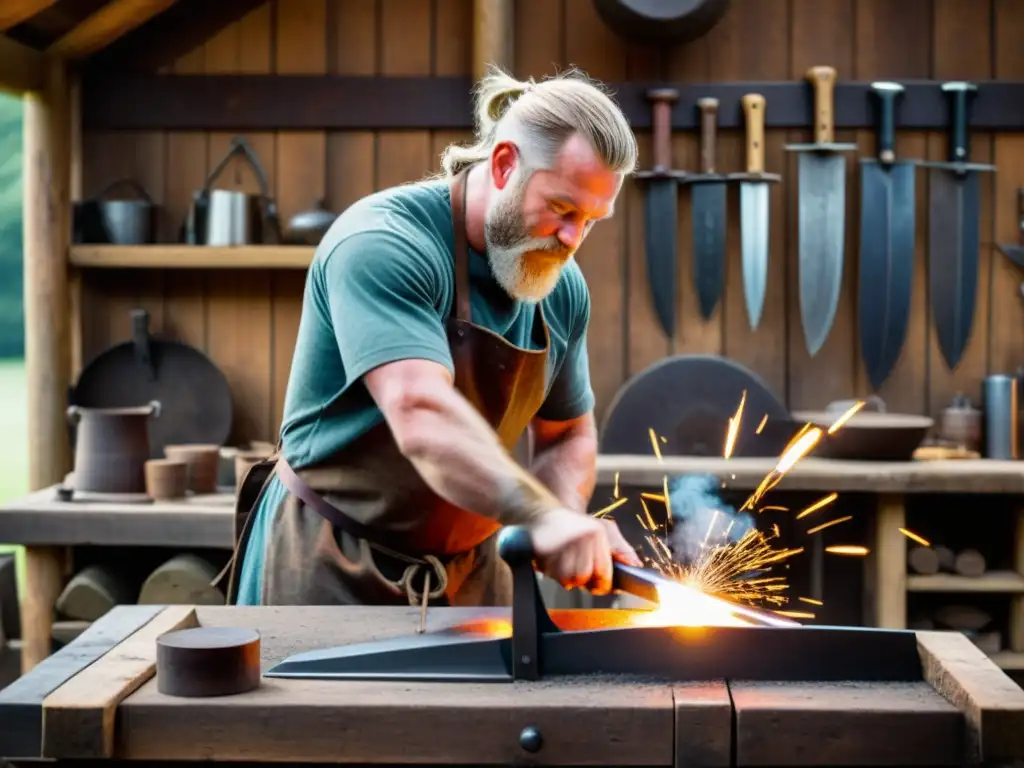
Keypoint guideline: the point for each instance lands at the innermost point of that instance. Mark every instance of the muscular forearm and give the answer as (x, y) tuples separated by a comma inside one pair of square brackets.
[(569, 468), (460, 457)]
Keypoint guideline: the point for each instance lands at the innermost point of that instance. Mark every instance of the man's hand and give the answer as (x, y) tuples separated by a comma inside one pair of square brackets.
[(576, 550)]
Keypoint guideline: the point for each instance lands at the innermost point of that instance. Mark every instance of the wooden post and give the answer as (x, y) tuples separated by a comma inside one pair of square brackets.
[(47, 351), (46, 232), (889, 564), (493, 35)]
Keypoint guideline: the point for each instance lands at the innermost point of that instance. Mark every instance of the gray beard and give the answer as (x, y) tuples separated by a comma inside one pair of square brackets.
[(509, 247)]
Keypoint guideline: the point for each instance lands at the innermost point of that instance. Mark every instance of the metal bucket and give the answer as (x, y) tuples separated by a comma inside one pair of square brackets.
[(111, 448)]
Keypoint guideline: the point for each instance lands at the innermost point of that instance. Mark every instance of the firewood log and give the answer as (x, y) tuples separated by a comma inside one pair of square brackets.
[(962, 618), (93, 591), (970, 562), (182, 580), (923, 560), (947, 558)]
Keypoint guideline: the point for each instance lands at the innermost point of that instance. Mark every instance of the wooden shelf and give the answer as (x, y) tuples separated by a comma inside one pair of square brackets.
[(1000, 582), (171, 256)]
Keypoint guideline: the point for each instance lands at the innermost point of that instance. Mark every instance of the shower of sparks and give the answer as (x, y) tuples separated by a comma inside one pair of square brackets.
[(838, 423), (847, 549), (823, 502), (611, 507), (794, 614), (742, 570), (654, 443), (829, 524), (737, 571), (914, 537), (734, 428)]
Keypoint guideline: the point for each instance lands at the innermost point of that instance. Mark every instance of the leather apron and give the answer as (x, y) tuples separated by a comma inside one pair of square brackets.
[(363, 528)]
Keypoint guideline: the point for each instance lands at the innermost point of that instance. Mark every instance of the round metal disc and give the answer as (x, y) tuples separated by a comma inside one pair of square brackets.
[(689, 399)]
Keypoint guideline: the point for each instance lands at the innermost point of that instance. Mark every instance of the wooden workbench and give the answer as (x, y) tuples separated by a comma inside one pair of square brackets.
[(889, 483), (46, 526), (95, 699)]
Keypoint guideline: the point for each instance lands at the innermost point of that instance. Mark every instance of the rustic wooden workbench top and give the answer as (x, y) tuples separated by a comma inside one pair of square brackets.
[(965, 710)]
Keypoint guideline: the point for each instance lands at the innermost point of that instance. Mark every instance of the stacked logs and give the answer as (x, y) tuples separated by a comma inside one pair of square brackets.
[(971, 620), (185, 579)]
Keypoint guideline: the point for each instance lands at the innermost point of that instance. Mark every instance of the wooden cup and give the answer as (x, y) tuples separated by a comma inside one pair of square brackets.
[(166, 478), (203, 465)]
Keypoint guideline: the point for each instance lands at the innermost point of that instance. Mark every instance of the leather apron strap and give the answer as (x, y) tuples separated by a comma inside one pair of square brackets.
[(462, 305)]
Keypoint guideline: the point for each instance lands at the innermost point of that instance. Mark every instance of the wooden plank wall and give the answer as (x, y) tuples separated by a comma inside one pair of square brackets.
[(247, 320)]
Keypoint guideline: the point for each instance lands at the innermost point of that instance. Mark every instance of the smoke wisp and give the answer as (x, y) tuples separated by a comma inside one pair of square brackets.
[(701, 520)]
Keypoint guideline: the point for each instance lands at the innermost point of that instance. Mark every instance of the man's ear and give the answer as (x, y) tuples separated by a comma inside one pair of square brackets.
[(504, 158)]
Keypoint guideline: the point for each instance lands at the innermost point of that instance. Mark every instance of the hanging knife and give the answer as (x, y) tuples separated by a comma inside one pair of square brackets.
[(1015, 251), (707, 200), (954, 239), (660, 213), (821, 215), (754, 210), (886, 275)]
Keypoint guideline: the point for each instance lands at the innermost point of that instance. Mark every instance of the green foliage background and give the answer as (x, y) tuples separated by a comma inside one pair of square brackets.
[(12, 318)]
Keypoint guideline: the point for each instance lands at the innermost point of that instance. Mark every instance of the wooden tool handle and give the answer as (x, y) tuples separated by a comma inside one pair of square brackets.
[(662, 100), (708, 120), (753, 115), (824, 81)]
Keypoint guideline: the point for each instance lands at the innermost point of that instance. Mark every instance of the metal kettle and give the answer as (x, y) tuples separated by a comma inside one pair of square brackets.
[(231, 217), (309, 227)]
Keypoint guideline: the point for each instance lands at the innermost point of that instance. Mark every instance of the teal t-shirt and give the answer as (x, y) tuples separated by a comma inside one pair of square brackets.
[(379, 289)]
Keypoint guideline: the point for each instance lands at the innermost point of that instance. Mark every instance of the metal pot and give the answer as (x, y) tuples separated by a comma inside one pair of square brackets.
[(960, 424), (661, 22), (871, 434), (309, 227), (123, 221), (111, 447)]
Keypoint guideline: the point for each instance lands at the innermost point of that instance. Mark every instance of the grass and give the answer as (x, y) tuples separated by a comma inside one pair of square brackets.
[(14, 456)]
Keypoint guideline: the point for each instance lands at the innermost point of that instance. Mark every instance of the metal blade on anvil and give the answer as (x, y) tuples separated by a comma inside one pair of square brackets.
[(708, 209), (953, 242), (821, 213), (660, 246), (886, 272), (650, 585), (754, 246)]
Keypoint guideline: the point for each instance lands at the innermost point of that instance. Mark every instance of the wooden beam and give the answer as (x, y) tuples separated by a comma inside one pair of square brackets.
[(112, 21), (46, 176), (13, 12), (242, 103), (21, 67), (493, 41), (164, 39)]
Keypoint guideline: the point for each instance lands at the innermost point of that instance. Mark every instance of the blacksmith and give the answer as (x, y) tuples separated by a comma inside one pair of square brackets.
[(440, 320)]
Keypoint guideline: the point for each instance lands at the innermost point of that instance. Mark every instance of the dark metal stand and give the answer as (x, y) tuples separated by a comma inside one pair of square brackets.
[(588, 642)]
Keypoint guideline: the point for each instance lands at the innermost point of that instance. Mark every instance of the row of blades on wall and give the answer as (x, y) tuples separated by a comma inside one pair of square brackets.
[(887, 226)]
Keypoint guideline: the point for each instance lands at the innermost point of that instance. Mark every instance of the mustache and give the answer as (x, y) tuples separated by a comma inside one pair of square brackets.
[(546, 245)]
